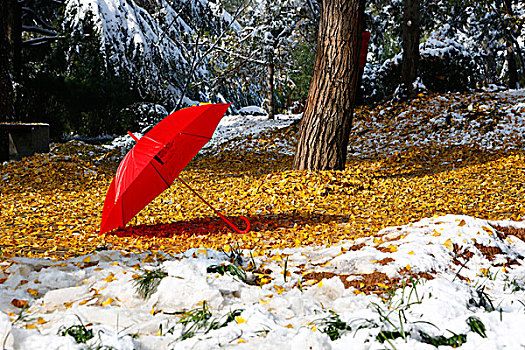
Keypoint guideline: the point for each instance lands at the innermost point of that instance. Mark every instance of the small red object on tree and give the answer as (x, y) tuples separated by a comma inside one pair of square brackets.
[(365, 40)]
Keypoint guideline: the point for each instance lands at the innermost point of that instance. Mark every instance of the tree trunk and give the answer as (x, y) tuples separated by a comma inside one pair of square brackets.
[(410, 37), (270, 86), (513, 47), (14, 35), (513, 68), (325, 128), (6, 86), (363, 47)]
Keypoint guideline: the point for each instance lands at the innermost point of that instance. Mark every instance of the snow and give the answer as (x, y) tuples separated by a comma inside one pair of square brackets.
[(508, 131), (235, 130), (252, 110), (74, 291), (148, 43), (461, 267)]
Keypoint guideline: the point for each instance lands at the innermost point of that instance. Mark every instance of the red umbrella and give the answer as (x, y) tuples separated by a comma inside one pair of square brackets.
[(157, 160)]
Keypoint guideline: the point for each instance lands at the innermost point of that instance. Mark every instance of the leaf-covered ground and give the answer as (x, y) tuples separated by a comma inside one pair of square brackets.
[(450, 280), (441, 154)]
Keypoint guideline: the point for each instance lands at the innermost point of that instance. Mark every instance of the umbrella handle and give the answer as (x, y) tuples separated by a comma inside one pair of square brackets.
[(231, 224)]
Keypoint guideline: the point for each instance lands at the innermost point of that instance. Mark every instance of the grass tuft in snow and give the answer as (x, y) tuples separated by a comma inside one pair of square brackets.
[(477, 326), (229, 317), (193, 321), (513, 285), (235, 271), (242, 270), (22, 317), (245, 275), (199, 319), (146, 282), (285, 269), (234, 255), (396, 325), (483, 300), (394, 317), (454, 341), (333, 326), (388, 335), (79, 332)]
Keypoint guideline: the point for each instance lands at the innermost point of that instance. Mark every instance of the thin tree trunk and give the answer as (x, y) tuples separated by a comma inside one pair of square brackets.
[(270, 86), (6, 87), (14, 35), (325, 128), (410, 36), (513, 68), (511, 57), (360, 98)]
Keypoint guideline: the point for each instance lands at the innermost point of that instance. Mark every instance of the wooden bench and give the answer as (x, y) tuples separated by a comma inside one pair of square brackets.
[(18, 140)]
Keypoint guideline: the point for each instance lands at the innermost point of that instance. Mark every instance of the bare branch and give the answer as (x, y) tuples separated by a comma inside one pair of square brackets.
[(37, 18), (196, 63), (40, 41), (244, 58), (35, 29)]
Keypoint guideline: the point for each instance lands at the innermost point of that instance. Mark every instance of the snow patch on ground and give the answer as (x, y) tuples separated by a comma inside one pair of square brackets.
[(236, 133), (463, 268), (444, 122)]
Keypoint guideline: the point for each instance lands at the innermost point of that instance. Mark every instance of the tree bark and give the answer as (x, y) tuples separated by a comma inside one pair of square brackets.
[(514, 81), (410, 37), (270, 86), (14, 35), (6, 86), (325, 128)]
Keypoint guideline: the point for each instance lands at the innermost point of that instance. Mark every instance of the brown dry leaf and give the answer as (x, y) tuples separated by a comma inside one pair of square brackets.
[(19, 303)]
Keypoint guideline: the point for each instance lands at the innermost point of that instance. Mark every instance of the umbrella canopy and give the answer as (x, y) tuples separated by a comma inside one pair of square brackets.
[(156, 160)]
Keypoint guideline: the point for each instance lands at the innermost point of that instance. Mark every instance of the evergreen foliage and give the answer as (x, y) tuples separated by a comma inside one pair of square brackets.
[(463, 44), (118, 65)]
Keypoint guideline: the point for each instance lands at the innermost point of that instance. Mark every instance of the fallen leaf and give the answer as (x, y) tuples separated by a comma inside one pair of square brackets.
[(107, 302), (448, 243), (19, 303)]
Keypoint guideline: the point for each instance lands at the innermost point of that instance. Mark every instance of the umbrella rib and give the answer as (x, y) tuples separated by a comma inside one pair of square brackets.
[(162, 177), (199, 136)]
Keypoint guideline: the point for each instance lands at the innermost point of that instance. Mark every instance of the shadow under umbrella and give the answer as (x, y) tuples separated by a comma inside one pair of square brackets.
[(200, 226)]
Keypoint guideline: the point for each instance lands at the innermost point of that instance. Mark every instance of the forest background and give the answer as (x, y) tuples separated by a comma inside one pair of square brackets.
[(102, 67)]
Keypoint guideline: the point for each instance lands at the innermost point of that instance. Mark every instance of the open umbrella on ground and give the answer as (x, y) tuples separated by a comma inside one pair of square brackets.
[(156, 161)]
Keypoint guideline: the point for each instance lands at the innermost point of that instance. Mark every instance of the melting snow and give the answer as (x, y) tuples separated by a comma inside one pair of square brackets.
[(463, 268)]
